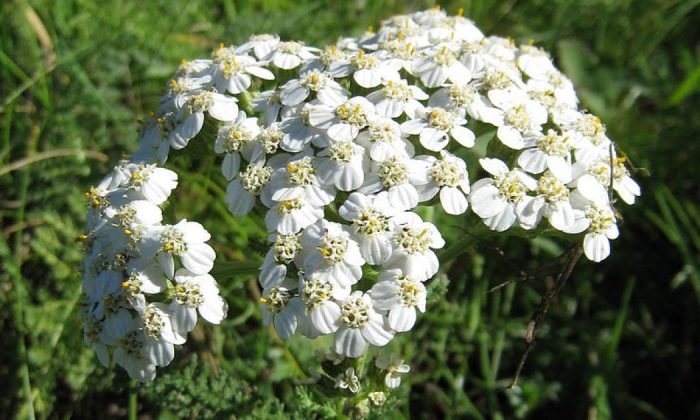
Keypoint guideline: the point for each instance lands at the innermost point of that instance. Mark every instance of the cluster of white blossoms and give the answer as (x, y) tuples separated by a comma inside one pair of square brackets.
[(143, 282), (337, 147)]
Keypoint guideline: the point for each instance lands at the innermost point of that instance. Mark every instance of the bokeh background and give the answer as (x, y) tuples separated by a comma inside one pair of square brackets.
[(623, 340)]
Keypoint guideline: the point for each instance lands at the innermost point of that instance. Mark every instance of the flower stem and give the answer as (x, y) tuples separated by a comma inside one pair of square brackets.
[(133, 399)]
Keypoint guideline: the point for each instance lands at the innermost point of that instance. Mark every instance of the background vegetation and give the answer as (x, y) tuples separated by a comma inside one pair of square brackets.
[(623, 340)]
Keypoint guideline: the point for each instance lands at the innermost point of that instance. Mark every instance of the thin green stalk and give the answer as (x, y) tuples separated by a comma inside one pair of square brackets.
[(133, 399)]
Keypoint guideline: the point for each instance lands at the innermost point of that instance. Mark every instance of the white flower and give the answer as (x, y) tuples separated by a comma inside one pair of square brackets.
[(323, 312), (268, 103), (341, 164), (397, 97), (185, 240), (237, 137), (401, 296), (370, 70), (600, 225), (435, 126), (298, 179), (298, 131), (551, 201), (522, 116), (395, 368), (371, 227), (343, 122), (327, 90), (466, 98), (330, 255), (499, 200), (360, 326), (399, 177), (195, 293), (261, 45), (441, 65), (242, 191), (130, 355), (414, 241), (282, 253), (232, 72), (290, 54), (384, 139), (548, 151), (449, 177), (348, 380), (193, 106), (290, 216), (281, 308), (378, 398), (150, 182), (618, 177), (159, 340)]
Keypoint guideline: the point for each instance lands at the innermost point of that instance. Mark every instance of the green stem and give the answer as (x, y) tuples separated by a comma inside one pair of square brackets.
[(133, 399)]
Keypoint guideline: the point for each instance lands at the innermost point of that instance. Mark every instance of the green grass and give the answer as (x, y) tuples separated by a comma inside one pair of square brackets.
[(77, 76)]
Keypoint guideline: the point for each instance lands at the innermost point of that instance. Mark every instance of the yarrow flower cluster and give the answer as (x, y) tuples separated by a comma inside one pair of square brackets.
[(144, 282), (337, 147)]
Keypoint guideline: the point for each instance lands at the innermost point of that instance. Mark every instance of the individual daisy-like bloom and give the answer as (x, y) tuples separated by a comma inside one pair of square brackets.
[(150, 182), (92, 327), (348, 380), (449, 177), (360, 326), (130, 355), (378, 398), (384, 139), (242, 191), (500, 200), (401, 296), (371, 227), (395, 368), (195, 293), (231, 71), (466, 98), (287, 55), (298, 130), (413, 242), (402, 51), (399, 177), (587, 130), (234, 138), (342, 122), (435, 126), (341, 164), (522, 116), (282, 309), (159, 340), (261, 45), (282, 253), (331, 255), (368, 70), (270, 138), (397, 97), (327, 90), (551, 201), (441, 65), (548, 151), (144, 276), (323, 312), (185, 240), (193, 106), (268, 103), (618, 176), (298, 179), (290, 216), (600, 225)]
